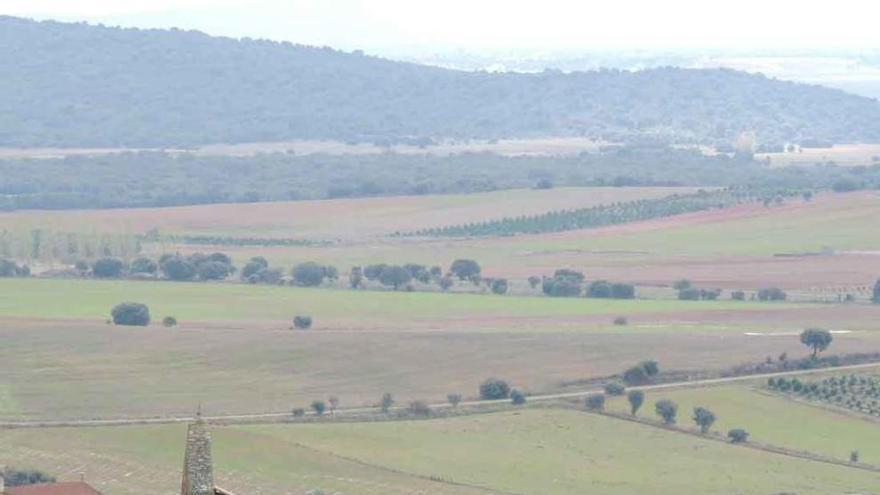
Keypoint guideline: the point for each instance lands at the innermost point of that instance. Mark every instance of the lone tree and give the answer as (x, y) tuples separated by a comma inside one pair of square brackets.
[(704, 418), (595, 402), (386, 402), (494, 389), (309, 274), (395, 276), (517, 398), (667, 410), (454, 399), (302, 322), (108, 268), (334, 403), (817, 339), (131, 314), (465, 269), (176, 268), (499, 286), (636, 398), (876, 297), (319, 407), (737, 435), (641, 374)]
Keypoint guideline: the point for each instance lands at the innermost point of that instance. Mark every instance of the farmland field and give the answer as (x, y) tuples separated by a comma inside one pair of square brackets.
[(205, 302), (774, 420), (350, 219), (70, 364), (826, 245), (235, 353), (529, 451)]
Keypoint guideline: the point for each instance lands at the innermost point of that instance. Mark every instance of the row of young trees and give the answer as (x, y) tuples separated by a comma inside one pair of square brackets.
[(600, 216)]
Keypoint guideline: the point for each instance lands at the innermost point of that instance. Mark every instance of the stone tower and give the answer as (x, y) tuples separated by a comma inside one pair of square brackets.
[(198, 471)]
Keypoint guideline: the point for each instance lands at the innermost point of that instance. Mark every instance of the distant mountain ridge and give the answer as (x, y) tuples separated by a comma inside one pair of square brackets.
[(81, 85)]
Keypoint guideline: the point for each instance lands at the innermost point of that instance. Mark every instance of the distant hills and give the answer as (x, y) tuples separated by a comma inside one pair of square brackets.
[(79, 85)]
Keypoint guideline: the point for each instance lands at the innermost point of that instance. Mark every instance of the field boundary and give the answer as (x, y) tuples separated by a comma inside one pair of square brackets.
[(434, 479), (774, 449)]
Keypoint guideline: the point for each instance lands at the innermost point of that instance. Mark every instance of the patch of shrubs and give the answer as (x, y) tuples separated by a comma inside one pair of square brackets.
[(642, 373), (695, 294), (517, 398), (494, 389), (131, 314), (737, 435), (23, 477), (772, 294), (215, 266), (11, 269), (302, 322), (108, 268), (311, 274), (595, 402), (615, 388), (419, 408), (602, 289), (169, 321)]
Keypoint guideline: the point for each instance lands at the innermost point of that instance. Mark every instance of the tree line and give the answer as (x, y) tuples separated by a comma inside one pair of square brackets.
[(184, 178)]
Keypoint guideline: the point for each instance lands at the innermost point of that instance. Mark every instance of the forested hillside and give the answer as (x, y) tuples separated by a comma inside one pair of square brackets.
[(82, 85), (165, 179)]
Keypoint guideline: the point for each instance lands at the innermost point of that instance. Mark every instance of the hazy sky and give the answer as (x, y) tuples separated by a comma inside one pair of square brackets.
[(491, 24)]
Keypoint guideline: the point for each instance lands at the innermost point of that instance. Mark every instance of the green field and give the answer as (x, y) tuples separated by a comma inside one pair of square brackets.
[(554, 452), (54, 298), (840, 222), (774, 420)]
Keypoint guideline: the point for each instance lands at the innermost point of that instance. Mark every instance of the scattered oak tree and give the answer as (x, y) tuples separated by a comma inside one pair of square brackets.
[(817, 339), (615, 389), (636, 398), (704, 418), (395, 276), (302, 322), (386, 402), (465, 269), (595, 402), (737, 435), (494, 389), (535, 281), (309, 274), (517, 398), (667, 410), (499, 286), (131, 314), (108, 268)]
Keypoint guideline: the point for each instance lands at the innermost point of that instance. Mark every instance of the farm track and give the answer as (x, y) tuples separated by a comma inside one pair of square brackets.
[(257, 418)]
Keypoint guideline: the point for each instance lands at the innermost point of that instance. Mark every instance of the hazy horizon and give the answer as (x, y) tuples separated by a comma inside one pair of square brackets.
[(398, 27)]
